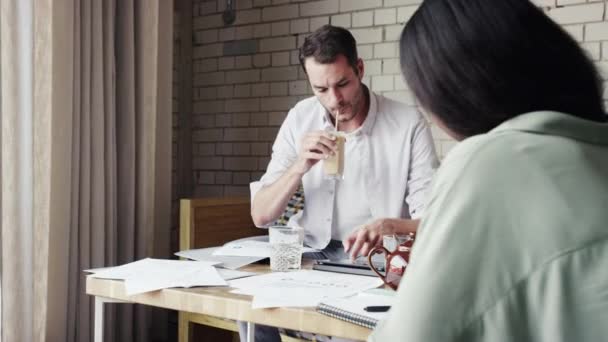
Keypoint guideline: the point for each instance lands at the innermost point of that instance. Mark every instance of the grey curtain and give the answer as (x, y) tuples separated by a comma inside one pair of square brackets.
[(86, 179)]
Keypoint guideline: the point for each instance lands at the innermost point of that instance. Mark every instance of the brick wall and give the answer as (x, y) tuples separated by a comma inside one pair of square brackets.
[(247, 75)]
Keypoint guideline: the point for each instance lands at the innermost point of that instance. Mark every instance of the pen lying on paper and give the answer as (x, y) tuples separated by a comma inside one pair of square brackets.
[(379, 308)]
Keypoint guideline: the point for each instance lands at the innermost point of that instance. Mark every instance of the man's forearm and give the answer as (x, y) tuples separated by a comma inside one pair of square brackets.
[(270, 201)]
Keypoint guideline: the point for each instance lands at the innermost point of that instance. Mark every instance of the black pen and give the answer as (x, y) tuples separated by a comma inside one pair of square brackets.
[(379, 308)]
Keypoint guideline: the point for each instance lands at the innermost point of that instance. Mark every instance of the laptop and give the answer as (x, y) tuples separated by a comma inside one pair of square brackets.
[(333, 258)]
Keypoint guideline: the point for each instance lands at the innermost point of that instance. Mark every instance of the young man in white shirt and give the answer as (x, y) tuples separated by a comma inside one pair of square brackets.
[(389, 158), (389, 154)]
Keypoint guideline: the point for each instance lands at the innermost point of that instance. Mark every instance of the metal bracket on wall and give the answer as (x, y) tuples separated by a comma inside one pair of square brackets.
[(229, 15)]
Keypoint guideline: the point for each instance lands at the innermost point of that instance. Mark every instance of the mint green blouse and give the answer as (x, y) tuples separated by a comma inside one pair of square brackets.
[(513, 245)]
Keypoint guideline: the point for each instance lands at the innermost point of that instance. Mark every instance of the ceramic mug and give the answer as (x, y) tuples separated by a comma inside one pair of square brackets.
[(395, 261)]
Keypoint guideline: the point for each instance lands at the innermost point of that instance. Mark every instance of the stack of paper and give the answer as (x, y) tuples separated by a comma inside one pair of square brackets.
[(155, 274), (250, 248), (229, 262), (305, 288)]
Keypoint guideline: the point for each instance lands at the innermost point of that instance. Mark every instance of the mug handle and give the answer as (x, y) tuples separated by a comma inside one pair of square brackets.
[(374, 251)]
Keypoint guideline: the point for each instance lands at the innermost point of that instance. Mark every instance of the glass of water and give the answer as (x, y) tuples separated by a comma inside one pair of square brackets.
[(286, 244)]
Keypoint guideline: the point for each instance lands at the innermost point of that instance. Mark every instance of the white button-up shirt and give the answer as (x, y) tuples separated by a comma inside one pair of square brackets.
[(397, 156)]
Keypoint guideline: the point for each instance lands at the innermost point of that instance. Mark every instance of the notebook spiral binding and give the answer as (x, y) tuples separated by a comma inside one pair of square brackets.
[(344, 315)]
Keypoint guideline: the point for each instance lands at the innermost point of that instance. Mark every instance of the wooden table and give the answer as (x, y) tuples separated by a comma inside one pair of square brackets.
[(219, 302)]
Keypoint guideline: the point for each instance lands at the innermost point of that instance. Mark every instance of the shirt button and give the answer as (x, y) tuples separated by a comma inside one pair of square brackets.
[(328, 220), (331, 192)]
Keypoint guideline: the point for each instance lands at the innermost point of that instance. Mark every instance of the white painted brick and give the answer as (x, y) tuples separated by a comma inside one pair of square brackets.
[(225, 63), (400, 83), (240, 134), (385, 16), (298, 88), (569, 2), (603, 69), (544, 3), (240, 163), (208, 21), (244, 4), (207, 163), (280, 58), (593, 49), (279, 2), (578, 14), (261, 60), (207, 93), (280, 28), (268, 133), (294, 57), (258, 119), (208, 78), (204, 149), (262, 30), (205, 65), (298, 26), (289, 73), (260, 149), (373, 67), (240, 178), (209, 50), (314, 8), (391, 66), (213, 134), (317, 22), (277, 44), (276, 118), (207, 7), (382, 83), (242, 105), (355, 5), (401, 96), (342, 20), (393, 3), (205, 177), (244, 32), (392, 33), (227, 34), (280, 12), (240, 120), (248, 17), (368, 35), (233, 190), (301, 38), (261, 3), (225, 92), (262, 165), (278, 89), (203, 121), (260, 89), (205, 36), (242, 76), (223, 177), (362, 19), (242, 90), (596, 31), (222, 120), (209, 107), (278, 103), (243, 62), (385, 50), (405, 13), (576, 31), (365, 51)]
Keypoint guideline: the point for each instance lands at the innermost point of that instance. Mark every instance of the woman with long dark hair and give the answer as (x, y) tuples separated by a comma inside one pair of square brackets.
[(513, 245)]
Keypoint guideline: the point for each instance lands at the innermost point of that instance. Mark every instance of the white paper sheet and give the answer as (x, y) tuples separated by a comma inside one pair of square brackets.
[(227, 274), (206, 254), (303, 288), (249, 248), (155, 274)]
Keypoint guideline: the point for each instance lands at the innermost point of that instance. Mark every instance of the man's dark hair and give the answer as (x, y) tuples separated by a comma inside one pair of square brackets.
[(327, 43), (477, 63)]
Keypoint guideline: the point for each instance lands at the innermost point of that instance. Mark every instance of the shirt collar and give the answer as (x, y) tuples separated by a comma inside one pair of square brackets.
[(559, 124), (369, 121)]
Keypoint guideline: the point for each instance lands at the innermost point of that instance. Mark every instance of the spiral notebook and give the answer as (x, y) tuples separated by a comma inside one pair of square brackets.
[(351, 309)]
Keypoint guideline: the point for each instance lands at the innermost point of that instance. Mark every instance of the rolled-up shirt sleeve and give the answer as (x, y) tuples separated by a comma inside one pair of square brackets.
[(284, 154), (423, 164)]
